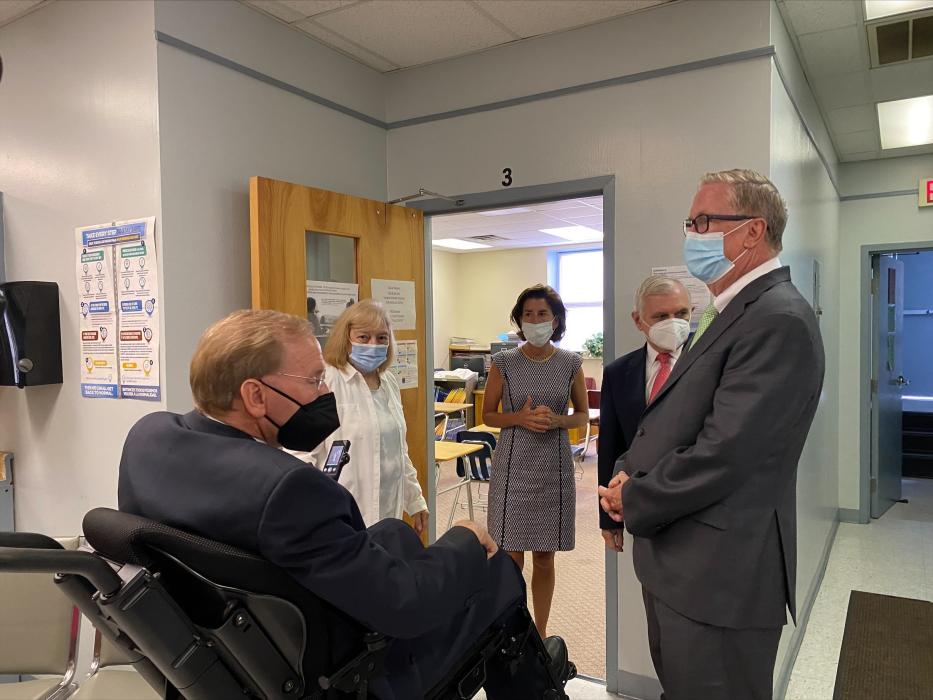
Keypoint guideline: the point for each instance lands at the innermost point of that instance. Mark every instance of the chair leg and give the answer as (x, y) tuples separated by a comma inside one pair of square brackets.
[(469, 485), (453, 508)]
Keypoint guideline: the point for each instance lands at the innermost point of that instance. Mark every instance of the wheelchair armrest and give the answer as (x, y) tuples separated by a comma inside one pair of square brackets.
[(50, 561), (28, 540)]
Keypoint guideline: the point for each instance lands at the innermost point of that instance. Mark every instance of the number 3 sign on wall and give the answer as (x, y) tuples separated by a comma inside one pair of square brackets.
[(507, 179)]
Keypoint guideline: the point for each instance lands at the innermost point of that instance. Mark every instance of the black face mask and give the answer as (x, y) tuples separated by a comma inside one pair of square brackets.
[(311, 423)]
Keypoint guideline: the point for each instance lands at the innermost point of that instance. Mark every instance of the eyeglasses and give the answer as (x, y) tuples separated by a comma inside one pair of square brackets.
[(315, 382), (701, 223)]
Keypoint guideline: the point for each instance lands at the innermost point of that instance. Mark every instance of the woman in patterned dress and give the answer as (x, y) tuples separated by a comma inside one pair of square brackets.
[(532, 495)]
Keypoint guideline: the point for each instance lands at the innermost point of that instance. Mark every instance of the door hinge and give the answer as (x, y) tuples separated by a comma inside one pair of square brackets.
[(874, 485)]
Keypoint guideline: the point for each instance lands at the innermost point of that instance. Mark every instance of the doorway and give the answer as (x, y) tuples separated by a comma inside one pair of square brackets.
[(506, 241), (900, 406)]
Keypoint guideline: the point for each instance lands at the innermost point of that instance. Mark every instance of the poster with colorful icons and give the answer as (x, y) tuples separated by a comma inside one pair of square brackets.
[(97, 327), (130, 249)]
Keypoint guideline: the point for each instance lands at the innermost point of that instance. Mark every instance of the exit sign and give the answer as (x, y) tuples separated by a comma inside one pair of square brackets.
[(926, 192)]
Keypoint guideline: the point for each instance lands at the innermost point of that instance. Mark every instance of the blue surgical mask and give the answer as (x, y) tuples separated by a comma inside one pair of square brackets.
[(367, 358), (705, 256)]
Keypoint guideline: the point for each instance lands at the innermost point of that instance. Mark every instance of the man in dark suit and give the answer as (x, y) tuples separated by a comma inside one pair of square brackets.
[(708, 486), (257, 381), (662, 313)]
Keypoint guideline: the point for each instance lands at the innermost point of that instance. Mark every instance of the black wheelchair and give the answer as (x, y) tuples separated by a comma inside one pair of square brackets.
[(205, 621)]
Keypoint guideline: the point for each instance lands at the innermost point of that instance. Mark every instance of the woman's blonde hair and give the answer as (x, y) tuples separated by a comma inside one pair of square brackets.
[(366, 314), (245, 345)]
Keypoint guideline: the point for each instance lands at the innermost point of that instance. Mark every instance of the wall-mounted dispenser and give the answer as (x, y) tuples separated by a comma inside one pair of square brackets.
[(30, 334)]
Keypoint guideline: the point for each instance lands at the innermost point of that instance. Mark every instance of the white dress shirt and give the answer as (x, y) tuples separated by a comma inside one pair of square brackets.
[(364, 422), (652, 366), (732, 291)]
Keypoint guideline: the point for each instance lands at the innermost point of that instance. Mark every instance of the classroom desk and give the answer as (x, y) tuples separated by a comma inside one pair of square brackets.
[(483, 428), (444, 407), (445, 450)]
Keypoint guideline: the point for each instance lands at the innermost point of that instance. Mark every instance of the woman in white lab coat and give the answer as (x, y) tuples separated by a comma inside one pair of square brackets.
[(380, 474)]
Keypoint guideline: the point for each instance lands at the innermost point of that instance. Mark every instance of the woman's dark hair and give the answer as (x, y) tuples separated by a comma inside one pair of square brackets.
[(541, 291)]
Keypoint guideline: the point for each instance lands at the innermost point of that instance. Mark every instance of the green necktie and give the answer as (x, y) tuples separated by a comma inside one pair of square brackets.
[(709, 315)]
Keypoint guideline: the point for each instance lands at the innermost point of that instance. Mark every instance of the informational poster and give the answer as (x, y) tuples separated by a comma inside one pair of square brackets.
[(118, 290), (138, 294), (700, 296), (97, 327), (398, 296), (327, 300), (405, 364)]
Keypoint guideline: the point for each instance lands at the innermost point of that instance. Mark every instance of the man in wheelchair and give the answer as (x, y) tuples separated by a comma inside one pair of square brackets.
[(451, 616)]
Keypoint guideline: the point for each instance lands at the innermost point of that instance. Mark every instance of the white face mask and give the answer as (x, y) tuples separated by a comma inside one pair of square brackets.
[(538, 334), (669, 334)]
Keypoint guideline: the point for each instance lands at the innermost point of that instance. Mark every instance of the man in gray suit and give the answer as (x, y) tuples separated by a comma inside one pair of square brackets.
[(708, 486)]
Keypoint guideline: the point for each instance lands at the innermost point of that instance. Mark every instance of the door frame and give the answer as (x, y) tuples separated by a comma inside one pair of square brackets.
[(868, 251), (512, 197)]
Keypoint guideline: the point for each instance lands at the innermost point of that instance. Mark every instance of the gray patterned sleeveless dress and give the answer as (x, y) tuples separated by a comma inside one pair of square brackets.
[(532, 493)]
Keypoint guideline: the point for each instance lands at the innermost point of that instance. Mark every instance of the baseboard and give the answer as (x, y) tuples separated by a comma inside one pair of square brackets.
[(851, 515), (633, 686), (803, 615)]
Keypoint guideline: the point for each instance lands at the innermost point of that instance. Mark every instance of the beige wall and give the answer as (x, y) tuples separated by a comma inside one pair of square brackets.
[(446, 282)]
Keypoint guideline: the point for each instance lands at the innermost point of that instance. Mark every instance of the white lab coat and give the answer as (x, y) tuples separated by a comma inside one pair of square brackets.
[(360, 425)]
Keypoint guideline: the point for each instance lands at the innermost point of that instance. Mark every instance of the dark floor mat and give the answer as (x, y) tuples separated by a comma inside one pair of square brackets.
[(887, 649)]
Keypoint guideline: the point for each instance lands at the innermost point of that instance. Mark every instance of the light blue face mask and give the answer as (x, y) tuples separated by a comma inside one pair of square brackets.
[(705, 256), (367, 358)]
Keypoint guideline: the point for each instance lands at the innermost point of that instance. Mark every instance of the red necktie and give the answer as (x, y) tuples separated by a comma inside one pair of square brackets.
[(663, 373)]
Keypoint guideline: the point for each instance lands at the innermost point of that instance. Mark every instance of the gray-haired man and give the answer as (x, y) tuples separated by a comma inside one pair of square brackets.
[(662, 313), (708, 486)]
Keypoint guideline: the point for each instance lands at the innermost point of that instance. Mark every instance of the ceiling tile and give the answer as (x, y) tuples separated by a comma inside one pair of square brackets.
[(858, 142), (309, 8), (847, 120), (810, 16), (11, 9), (834, 51), (277, 9), (310, 27), (409, 32), (843, 90), (867, 155), (532, 17), (901, 81)]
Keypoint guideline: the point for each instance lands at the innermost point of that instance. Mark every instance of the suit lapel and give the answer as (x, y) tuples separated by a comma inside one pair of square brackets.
[(732, 313), (633, 390)]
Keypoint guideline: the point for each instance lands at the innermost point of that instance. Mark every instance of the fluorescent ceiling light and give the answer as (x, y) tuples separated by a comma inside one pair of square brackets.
[(906, 122), (505, 212), (458, 244), (875, 9), (577, 234)]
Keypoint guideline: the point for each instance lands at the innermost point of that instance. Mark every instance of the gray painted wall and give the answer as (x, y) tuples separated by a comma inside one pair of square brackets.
[(648, 134), (219, 127), (811, 234), (80, 147)]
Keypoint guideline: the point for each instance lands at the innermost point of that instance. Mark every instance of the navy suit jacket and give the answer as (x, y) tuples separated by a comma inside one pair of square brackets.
[(210, 479), (621, 405)]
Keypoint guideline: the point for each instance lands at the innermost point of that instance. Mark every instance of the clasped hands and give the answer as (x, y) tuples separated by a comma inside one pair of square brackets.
[(610, 497), (539, 419)]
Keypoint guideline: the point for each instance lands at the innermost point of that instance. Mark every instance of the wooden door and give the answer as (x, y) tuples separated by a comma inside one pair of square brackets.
[(388, 244)]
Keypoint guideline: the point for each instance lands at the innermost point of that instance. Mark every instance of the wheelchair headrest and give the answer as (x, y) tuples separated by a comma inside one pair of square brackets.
[(130, 539)]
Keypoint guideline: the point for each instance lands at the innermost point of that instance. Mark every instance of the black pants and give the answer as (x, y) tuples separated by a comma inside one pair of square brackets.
[(695, 661), (421, 664)]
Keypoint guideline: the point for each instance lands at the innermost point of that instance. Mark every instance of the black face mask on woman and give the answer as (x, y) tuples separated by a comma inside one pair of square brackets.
[(311, 423)]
